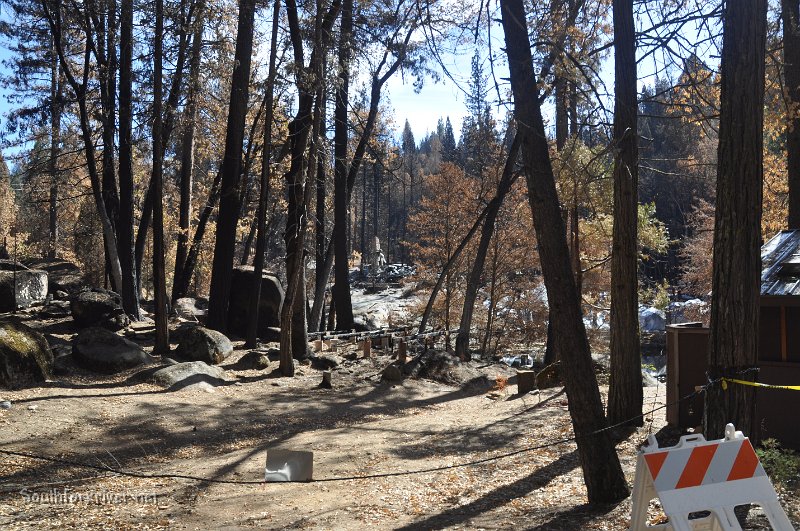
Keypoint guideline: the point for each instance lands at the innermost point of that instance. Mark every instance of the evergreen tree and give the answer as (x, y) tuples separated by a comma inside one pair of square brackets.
[(449, 153), (477, 92), (408, 145)]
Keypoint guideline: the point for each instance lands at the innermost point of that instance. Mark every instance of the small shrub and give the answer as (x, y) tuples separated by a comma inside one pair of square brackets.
[(781, 464), (500, 383)]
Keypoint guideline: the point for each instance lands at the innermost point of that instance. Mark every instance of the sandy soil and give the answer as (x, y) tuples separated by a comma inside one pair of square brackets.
[(360, 427)]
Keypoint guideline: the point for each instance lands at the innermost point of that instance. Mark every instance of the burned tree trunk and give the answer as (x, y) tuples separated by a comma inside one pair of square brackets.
[(125, 224), (625, 393), (266, 175), (188, 148), (737, 224), (602, 473), (159, 267), (219, 294), (341, 198), (791, 71)]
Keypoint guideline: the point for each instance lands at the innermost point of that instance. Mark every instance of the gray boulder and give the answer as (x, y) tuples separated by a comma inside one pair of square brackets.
[(253, 360), (202, 344), (25, 356), (98, 307), (652, 320), (56, 309), (270, 302), (101, 350), (22, 288), (61, 275), (193, 374)]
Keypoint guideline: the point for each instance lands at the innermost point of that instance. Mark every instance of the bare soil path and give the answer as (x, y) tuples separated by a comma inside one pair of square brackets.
[(361, 427)]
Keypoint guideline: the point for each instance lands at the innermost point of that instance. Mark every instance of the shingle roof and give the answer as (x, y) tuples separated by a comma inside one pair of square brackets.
[(780, 264)]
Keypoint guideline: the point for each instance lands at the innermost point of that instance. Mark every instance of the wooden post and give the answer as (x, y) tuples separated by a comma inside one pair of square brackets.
[(402, 352), (366, 347), (526, 382)]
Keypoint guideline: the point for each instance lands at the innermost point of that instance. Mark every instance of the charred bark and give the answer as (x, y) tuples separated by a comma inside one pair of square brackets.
[(625, 394), (219, 294), (791, 71), (341, 269), (188, 148), (733, 345), (266, 174), (602, 473), (125, 224)]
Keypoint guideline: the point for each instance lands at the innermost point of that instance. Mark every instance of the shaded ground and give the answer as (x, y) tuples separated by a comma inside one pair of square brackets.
[(361, 427)]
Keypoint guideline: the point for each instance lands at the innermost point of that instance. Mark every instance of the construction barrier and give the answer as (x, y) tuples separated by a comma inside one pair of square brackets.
[(697, 476)]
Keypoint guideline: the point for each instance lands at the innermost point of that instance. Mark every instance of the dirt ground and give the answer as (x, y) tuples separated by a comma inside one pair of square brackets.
[(360, 427)]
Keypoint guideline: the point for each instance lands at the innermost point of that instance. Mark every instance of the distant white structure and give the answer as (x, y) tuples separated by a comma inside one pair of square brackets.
[(378, 259)]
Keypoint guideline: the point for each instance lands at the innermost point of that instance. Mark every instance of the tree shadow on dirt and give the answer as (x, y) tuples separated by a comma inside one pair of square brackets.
[(207, 424), (499, 496), (574, 517), (485, 437)]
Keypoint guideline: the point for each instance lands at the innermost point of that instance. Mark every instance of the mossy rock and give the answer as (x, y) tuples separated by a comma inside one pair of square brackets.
[(25, 356)]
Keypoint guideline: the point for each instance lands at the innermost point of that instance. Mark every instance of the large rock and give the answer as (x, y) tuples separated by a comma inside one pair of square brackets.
[(443, 367), (652, 320), (253, 360), (193, 374), (25, 356), (202, 344), (61, 275), (269, 309), (22, 288), (101, 350), (98, 307)]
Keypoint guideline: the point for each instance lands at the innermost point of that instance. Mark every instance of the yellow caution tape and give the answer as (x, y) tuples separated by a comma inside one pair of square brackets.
[(758, 384)]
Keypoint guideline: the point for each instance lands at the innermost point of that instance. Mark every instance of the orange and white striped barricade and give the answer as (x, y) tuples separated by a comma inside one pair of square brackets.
[(697, 475)]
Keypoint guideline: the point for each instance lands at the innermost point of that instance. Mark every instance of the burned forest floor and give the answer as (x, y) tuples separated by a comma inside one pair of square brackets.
[(496, 457)]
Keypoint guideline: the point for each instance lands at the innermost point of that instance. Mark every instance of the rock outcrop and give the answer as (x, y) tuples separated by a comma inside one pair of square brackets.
[(192, 375), (269, 309), (62, 276), (98, 307), (22, 288)]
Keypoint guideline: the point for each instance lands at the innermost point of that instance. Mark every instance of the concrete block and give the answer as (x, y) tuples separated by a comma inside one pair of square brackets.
[(289, 465)]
